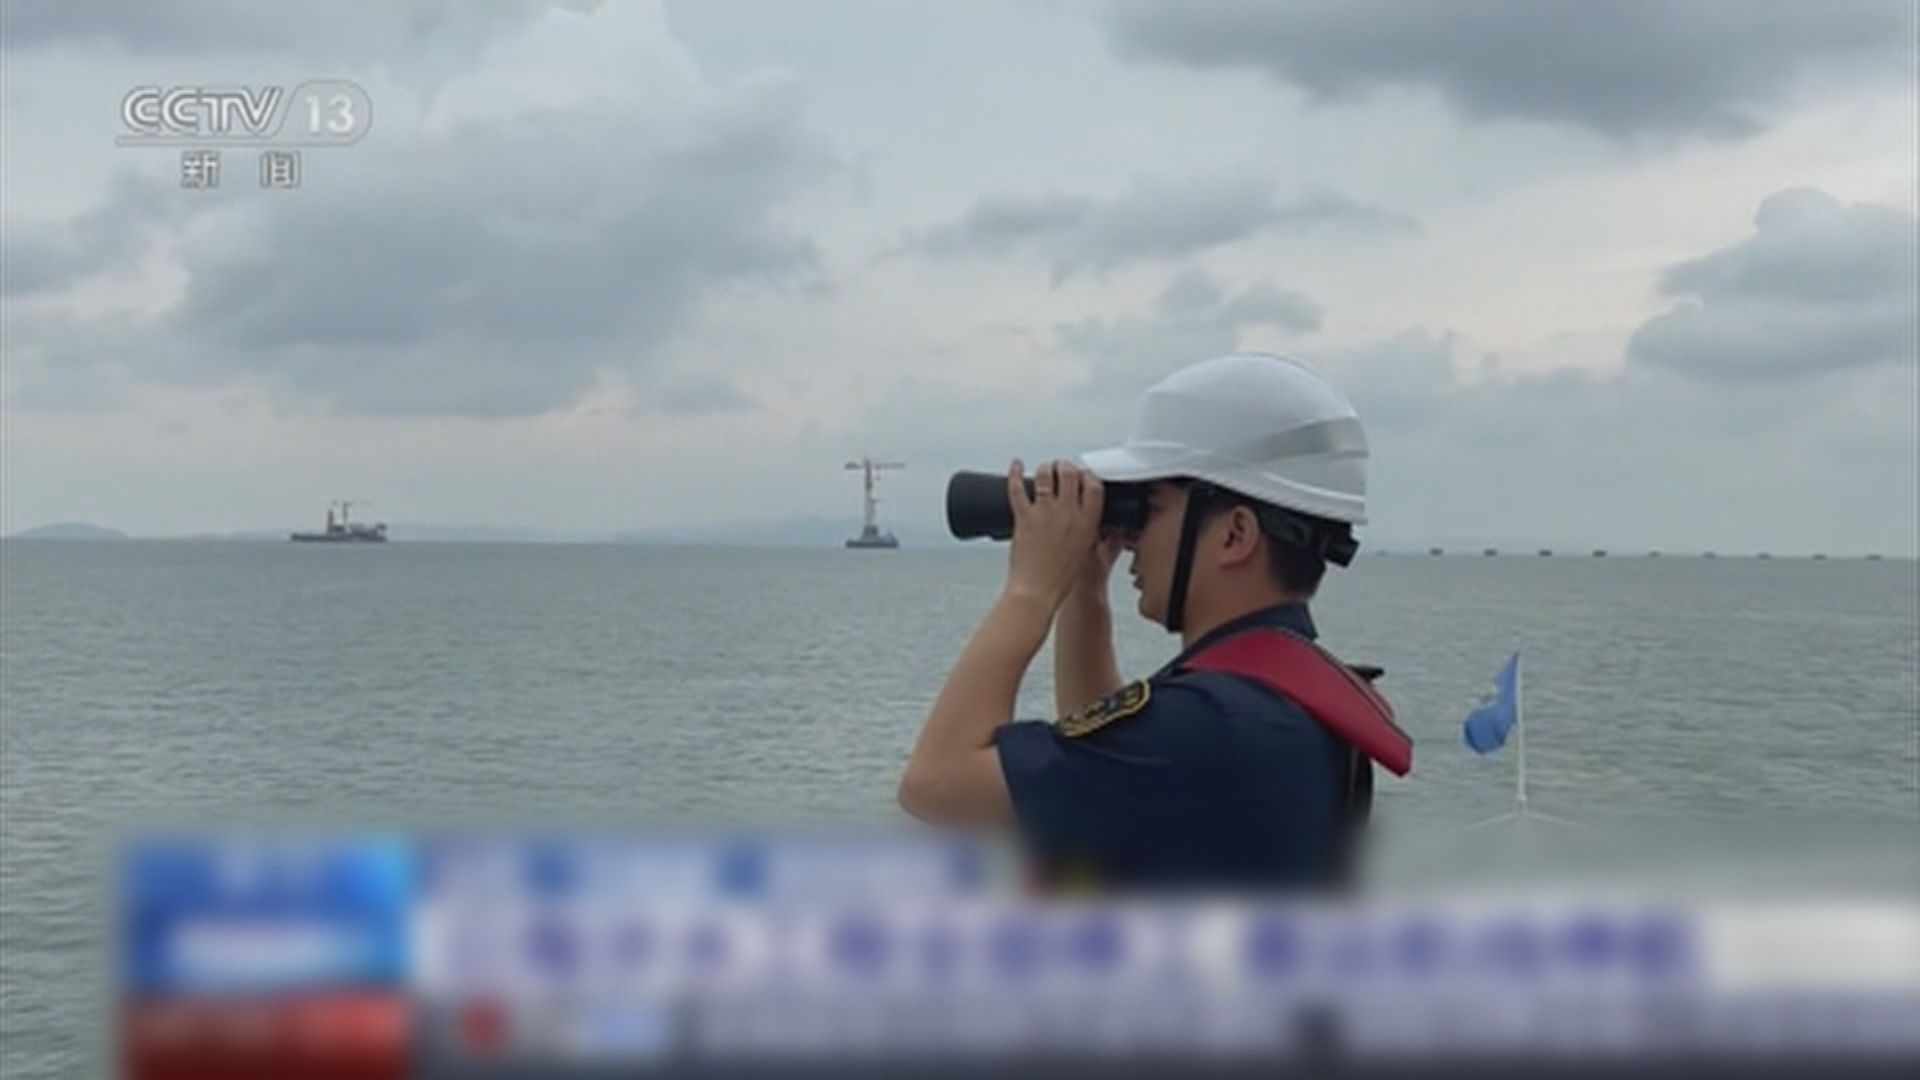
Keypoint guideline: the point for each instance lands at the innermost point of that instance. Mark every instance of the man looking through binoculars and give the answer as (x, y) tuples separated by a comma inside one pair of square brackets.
[(1246, 761)]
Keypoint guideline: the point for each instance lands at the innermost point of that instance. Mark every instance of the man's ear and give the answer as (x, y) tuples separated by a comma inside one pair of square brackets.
[(1240, 536)]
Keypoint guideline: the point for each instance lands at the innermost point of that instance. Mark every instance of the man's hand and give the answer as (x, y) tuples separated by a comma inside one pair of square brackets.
[(1056, 533), (1091, 582)]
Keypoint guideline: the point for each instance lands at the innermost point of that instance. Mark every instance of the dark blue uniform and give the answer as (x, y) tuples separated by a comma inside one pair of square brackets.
[(1187, 779)]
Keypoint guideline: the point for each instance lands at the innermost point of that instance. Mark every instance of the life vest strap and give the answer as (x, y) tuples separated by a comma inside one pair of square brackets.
[(1334, 695)]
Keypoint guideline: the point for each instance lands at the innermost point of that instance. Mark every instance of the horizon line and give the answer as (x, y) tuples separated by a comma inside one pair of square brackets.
[(639, 538)]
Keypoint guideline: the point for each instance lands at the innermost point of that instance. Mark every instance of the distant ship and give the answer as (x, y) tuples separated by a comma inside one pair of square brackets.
[(872, 535), (342, 531)]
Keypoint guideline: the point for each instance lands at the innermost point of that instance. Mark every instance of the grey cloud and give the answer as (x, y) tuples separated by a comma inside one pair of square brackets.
[(1806, 246), (1819, 287), (1191, 293), (1320, 207), (1193, 318), (340, 29), (47, 259), (1194, 295), (1422, 386), (1396, 381), (1264, 305), (43, 262), (1159, 222), (1621, 68), (492, 272), (30, 386), (998, 223), (1166, 222), (57, 362), (702, 393)]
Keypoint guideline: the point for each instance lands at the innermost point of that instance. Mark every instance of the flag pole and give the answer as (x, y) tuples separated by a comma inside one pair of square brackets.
[(1520, 751), (1521, 816)]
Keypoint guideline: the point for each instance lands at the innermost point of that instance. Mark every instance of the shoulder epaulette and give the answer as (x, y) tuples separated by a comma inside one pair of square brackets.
[(1118, 705)]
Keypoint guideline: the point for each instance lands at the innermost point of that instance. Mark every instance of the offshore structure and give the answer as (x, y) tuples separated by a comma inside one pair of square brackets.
[(342, 531), (871, 535)]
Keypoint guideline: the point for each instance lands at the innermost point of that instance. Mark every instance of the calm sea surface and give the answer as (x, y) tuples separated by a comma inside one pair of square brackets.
[(153, 682)]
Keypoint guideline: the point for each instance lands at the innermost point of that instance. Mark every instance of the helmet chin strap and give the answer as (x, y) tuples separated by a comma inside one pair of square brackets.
[(1197, 496)]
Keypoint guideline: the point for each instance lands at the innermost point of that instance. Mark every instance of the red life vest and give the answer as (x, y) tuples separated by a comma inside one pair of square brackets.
[(1310, 677)]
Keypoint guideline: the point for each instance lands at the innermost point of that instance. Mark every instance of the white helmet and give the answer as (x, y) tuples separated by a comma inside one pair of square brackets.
[(1261, 425)]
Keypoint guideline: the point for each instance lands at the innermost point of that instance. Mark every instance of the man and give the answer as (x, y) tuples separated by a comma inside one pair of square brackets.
[(1244, 762)]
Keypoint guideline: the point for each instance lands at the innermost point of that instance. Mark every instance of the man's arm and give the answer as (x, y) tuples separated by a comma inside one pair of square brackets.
[(953, 775), (1084, 668)]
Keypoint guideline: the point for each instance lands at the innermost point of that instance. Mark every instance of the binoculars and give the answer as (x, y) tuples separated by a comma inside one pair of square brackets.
[(977, 506)]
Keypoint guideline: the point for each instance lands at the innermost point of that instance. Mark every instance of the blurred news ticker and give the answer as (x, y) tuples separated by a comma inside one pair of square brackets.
[(605, 953)]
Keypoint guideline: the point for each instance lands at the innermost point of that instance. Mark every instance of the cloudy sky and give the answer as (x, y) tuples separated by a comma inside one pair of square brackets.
[(1632, 274)]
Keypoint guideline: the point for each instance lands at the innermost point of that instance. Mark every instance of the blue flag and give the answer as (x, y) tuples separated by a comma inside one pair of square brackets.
[(1488, 724)]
